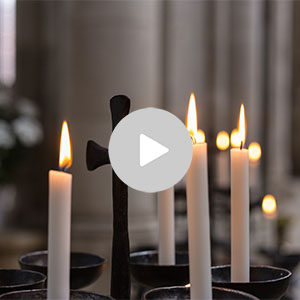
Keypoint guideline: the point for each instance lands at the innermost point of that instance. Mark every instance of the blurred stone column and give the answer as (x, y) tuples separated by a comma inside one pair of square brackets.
[(247, 65)]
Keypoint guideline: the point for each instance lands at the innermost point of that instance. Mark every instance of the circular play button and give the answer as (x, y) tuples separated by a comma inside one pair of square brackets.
[(150, 150)]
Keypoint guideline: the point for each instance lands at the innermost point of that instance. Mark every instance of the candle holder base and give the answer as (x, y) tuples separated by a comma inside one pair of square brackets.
[(16, 280), (266, 282), (85, 268), (147, 272), (42, 295), (178, 292)]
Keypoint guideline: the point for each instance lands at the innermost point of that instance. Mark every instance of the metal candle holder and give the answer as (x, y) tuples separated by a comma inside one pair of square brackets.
[(85, 268), (147, 272), (16, 280), (42, 295), (97, 156), (266, 282), (183, 293)]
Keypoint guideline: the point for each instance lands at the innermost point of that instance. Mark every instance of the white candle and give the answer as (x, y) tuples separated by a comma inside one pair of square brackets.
[(198, 214), (59, 224), (269, 208), (222, 160), (240, 208), (166, 217), (255, 172)]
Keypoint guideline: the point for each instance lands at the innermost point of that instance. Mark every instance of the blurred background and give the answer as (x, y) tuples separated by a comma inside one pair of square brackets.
[(66, 59)]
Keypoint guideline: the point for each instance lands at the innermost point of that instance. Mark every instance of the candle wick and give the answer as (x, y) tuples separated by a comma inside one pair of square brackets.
[(241, 147)]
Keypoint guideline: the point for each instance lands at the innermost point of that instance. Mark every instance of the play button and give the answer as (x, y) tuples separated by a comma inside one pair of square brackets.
[(150, 150)]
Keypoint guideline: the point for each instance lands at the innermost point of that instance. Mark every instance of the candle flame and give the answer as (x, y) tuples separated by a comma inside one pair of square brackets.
[(269, 206), (235, 139), (191, 118), (199, 136), (242, 126), (254, 152), (222, 141), (65, 154)]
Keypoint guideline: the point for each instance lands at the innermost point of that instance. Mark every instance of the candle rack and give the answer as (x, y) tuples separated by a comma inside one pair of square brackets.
[(42, 295), (183, 293), (85, 268), (266, 282), (146, 271), (14, 280)]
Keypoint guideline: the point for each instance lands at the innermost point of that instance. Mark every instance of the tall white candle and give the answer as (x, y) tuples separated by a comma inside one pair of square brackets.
[(240, 259), (222, 160), (198, 214), (59, 224), (166, 217)]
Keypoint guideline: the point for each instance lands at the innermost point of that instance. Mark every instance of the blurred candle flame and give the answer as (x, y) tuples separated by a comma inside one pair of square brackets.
[(65, 154), (188, 285), (235, 139), (242, 126), (269, 206), (254, 152), (222, 141)]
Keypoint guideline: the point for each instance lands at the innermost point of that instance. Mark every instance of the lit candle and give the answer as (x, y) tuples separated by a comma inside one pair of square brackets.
[(222, 159), (254, 157), (240, 207), (269, 208), (198, 213), (60, 186), (166, 217)]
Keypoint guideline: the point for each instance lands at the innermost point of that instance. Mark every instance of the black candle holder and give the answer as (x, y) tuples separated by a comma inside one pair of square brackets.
[(85, 268), (183, 293), (266, 282), (146, 271), (42, 295), (15, 280)]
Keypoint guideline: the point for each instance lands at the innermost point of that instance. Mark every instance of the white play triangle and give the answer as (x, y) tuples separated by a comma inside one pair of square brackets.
[(150, 150)]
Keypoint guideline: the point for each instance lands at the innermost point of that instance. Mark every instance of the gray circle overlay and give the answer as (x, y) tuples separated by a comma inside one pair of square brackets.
[(164, 128)]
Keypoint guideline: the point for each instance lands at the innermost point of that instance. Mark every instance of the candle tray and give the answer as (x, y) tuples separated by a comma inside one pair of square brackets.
[(146, 271), (183, 293), (266, 282), (42, 295), (15, 280), (85, 268)]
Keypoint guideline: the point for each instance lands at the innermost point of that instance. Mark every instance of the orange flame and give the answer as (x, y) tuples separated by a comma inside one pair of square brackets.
[(242, 126), (222, 141), (269, 206), (65, 154), (254, 152), (191, 118)]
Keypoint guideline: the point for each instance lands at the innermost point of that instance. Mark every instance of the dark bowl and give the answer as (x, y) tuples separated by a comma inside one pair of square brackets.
[(85, 268), (42, 294), (265, 282), (146, 271), (183, 293), (16, 280)]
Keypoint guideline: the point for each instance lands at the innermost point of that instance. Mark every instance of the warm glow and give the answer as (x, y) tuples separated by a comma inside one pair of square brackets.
[(242, 126), (188, 285), (191, 118), (200, 136), (222, 140), (254, 152), (269, 206), (65, 154), (235, 139)]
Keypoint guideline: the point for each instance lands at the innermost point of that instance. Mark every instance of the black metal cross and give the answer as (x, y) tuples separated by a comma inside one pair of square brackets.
[(97, 156)]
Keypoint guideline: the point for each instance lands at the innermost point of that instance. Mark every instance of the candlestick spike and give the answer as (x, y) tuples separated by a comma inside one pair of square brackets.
[(96, 156)]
